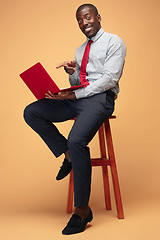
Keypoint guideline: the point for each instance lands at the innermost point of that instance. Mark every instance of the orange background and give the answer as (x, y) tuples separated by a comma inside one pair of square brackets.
[(32, 203)]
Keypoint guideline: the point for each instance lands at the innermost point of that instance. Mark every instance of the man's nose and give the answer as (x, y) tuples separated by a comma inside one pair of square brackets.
[(85, 22)]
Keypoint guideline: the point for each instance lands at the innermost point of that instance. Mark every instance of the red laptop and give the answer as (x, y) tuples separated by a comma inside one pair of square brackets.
[(39, 82)]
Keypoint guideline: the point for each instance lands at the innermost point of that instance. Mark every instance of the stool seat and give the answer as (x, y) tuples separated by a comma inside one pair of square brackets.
[(106, 145)]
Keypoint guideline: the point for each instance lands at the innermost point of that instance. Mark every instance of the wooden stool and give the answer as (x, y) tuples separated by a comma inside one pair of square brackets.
[(104, 161)]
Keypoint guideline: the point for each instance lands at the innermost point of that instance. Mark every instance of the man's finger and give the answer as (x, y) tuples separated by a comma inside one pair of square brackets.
[(72, 63), (47, 96), (68, 68), (67, 64), (51, 94), (59, 66), (62, 65)]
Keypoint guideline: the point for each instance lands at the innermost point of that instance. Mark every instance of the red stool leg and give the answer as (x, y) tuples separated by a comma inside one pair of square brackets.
[(104, 169), (114, 173), (70, 193)]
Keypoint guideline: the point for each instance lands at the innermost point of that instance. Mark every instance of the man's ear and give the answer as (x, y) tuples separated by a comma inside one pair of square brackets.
[(99, 18)]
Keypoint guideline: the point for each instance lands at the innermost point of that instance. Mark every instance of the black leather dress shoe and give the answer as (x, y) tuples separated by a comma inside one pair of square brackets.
[(64, 169), (76, 225)]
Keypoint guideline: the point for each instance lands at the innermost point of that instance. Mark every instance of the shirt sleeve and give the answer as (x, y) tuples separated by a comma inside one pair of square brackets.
[(112, 70), (74, 78)]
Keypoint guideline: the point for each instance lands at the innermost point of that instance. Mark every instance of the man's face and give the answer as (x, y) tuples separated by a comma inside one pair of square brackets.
[(88, 22)]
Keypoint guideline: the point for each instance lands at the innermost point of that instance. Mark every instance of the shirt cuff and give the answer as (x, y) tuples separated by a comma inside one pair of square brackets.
[(80, 93), (72, 78)]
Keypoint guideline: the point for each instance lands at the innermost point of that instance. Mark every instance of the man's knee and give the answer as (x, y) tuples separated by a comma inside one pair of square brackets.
[(76, 142), (28, 113)]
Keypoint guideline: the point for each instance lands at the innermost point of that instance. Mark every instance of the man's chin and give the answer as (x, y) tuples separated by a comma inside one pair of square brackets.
[(89, 34)]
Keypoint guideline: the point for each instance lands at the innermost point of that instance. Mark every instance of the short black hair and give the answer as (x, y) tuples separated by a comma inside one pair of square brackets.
[(87, 5)]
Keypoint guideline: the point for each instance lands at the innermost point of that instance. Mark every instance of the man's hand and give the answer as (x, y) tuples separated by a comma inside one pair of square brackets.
[(69, 67), (61, 95)]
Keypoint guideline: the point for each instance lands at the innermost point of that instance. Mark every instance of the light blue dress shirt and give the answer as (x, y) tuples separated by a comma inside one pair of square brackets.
[(104, 67)]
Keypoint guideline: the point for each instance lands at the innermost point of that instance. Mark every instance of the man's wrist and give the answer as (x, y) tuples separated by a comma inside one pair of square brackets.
[(73, 95), (69, 71)]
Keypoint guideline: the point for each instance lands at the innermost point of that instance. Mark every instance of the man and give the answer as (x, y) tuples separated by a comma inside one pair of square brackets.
[(100, 72)]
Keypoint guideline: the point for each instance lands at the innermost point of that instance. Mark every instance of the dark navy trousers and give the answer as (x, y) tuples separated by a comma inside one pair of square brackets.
[(90, 114)]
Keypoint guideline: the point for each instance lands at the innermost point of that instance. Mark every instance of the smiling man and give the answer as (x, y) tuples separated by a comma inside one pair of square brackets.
[(98, 65), (88, 20)]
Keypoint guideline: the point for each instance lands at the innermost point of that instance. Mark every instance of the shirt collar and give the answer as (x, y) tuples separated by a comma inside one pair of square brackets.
[(98, 35)]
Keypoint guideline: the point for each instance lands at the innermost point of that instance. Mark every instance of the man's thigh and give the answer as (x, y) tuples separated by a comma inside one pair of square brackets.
[(52, 110), (91, 113)]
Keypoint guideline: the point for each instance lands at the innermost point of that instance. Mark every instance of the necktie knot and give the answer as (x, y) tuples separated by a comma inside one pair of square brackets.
[(89, 42)]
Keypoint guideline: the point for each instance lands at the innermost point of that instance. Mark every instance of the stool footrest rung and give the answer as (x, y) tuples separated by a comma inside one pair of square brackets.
[(100, 162)]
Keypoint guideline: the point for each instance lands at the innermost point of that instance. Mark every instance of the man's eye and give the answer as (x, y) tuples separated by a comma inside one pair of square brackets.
[(79, 21), (88, 17)]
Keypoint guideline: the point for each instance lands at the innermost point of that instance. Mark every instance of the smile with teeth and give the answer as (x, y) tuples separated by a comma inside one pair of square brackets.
[(88, 29)]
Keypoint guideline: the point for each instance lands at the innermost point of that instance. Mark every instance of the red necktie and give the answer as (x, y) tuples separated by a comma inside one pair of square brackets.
[(83, 72)]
